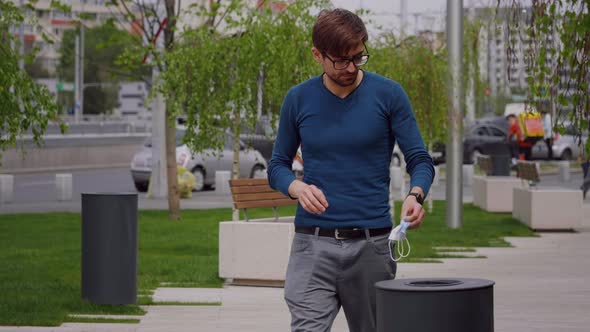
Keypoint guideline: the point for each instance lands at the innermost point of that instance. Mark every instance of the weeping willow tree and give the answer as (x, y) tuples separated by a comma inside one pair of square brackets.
[(558, 56), (213, 77)]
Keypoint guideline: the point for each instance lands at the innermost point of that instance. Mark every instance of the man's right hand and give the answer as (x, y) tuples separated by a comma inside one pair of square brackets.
[(310, 197)]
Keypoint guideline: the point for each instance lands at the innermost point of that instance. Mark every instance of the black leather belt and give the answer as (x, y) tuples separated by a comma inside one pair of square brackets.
[(345, 233)]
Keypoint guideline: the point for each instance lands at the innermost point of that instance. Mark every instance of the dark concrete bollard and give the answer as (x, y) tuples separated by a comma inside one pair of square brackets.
[(441, 305), (109, 248)]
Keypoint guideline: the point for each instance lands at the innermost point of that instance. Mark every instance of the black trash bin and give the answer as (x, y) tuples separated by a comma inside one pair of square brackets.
[(109, 248), (501, 159), (500, 165), (441, 305)]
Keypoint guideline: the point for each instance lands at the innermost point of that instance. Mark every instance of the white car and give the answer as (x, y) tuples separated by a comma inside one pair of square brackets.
[(565, 147), (202, 165), (397, 156)]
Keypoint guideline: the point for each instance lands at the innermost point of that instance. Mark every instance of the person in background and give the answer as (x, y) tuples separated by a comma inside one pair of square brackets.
[(548, 128), (518, 145)]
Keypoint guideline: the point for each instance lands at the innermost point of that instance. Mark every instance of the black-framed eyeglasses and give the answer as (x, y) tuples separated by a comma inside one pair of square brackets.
[(358, 60)]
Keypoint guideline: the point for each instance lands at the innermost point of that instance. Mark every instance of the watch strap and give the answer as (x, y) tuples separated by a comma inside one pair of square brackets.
[(419, 197)]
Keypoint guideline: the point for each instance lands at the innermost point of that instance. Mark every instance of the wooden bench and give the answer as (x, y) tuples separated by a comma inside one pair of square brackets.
[(256, 252), (545, 208), (528, 171), (485, 164), (256, 193)]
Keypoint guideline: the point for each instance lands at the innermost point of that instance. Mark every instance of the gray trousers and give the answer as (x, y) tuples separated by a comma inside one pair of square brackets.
[(325, 274)]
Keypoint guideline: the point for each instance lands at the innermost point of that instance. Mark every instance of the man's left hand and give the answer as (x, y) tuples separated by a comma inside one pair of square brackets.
[(412, 212)]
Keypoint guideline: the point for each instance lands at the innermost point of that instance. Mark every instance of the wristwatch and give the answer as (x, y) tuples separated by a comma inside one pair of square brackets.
[(419, 197)]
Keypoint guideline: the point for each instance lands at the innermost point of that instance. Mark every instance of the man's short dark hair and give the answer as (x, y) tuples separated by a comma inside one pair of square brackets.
[(338, 31)]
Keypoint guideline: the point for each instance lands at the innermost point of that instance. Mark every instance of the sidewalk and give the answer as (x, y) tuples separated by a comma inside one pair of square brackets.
[(542, 285)]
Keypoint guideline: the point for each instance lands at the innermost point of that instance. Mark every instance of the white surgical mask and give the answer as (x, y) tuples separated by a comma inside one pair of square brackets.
[(398, 235)]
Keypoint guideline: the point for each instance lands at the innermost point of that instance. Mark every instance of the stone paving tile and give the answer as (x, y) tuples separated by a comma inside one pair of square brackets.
[(188, 295)]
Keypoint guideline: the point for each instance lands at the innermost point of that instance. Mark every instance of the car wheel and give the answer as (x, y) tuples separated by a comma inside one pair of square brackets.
[(566, 155), (474, 156), (258, 172), (199, 174), (141, 186), (395, 160)]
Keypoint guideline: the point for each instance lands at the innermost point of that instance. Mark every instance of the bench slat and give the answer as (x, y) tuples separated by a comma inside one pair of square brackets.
[(258, 196), (528, 171), (265, 203), (252, 189), (248, 182), (485, 164)]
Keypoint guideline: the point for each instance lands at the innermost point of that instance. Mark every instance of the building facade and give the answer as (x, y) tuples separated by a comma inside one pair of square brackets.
[(53, 22)]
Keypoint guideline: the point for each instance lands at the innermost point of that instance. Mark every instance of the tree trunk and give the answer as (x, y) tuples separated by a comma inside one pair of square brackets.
[(236, 163), (171, 171)]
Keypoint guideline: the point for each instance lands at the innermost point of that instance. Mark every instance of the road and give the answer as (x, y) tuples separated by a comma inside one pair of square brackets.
[(33, 188), (40, 188)]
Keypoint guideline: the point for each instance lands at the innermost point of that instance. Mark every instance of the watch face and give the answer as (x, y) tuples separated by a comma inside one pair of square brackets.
[(419, 198)]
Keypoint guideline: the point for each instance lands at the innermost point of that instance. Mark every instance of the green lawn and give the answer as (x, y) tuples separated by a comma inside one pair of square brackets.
[(40, 256)]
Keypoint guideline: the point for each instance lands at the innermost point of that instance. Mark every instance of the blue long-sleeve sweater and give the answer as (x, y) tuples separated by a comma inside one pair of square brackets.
[(347, 146)]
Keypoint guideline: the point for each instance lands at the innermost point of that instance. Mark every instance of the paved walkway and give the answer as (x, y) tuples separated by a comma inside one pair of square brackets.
[(542, 285)]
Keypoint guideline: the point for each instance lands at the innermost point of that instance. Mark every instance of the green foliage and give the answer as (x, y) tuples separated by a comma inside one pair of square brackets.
[(212, 77), (559, 30), (103, 47), (422, 73), (24, 105)]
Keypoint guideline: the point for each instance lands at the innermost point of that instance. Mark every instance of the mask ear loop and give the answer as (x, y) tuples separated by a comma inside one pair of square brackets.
[(401, 249)]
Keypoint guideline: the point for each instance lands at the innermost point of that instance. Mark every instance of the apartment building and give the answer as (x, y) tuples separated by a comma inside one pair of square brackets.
[(53, 22), (133, 101)]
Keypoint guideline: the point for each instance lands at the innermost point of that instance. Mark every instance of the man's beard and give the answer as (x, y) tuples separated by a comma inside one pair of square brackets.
[(344, 82)]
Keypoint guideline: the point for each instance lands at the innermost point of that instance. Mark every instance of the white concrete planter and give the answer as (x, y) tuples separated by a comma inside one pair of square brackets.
[(6, 188), (256, 251), (494, 193), (548, 208)]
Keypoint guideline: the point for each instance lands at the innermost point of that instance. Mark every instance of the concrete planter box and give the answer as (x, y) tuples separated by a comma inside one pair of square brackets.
[(548, 208), (494, 193), (255, 252)]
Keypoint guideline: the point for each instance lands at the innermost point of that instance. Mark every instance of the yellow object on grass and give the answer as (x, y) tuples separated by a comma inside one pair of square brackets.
[(186, 182)]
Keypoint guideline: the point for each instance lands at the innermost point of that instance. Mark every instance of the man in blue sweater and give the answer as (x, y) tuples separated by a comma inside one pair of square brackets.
[(347, 122)]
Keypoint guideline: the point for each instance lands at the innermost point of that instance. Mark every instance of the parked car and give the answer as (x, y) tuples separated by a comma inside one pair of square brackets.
[(397, 157), (482, 138), (565, 147), (202, 165), (262, 138)]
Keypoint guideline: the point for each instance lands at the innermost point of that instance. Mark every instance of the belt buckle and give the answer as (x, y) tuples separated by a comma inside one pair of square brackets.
[(337, 235)]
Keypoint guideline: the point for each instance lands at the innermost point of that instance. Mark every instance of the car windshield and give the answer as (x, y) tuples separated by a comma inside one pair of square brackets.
[(179, 137)]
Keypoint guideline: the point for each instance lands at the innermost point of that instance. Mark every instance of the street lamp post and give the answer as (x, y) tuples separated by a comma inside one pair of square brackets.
[(454, 192)]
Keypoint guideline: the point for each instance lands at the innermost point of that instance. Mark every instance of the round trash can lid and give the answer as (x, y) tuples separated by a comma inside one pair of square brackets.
[(433, 284)]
